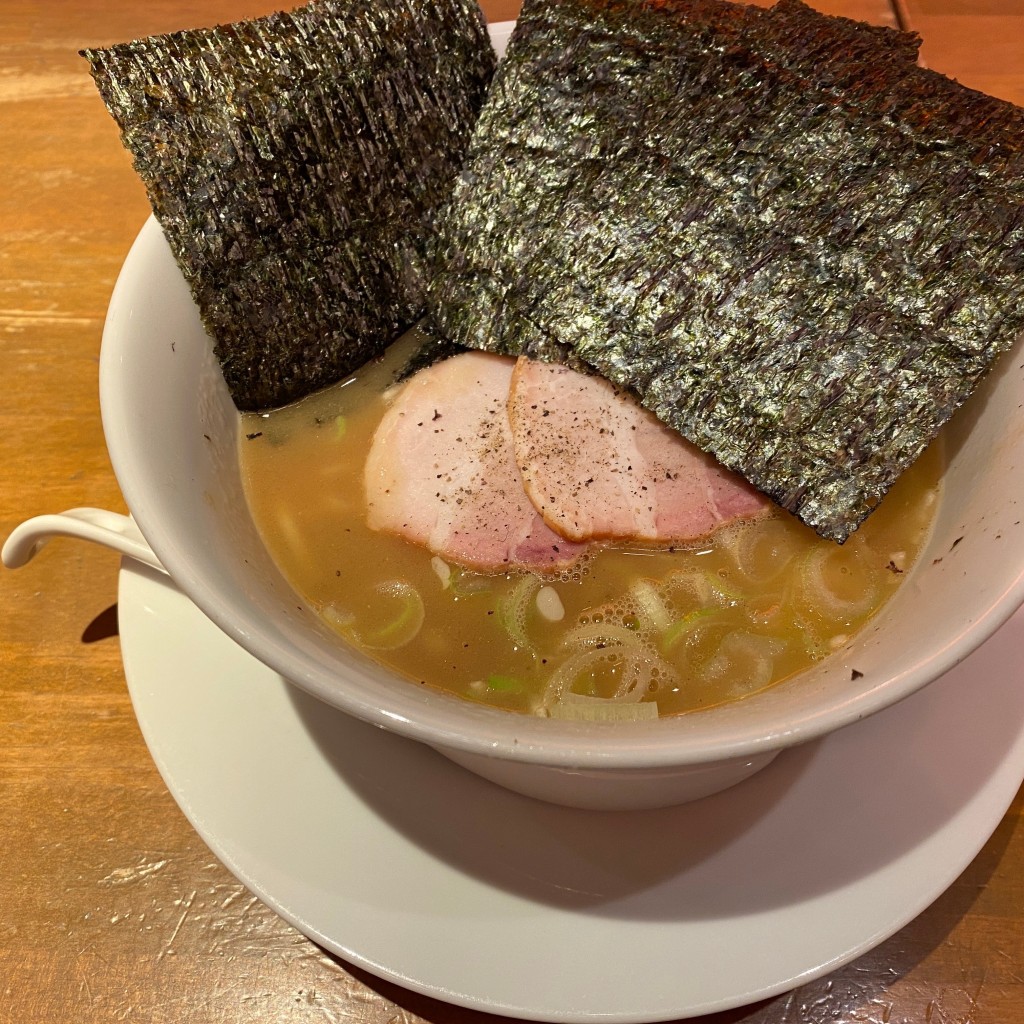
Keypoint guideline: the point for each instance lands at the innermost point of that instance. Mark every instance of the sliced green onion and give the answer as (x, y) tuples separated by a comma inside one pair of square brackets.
[(727, 592), (340, 427), (400, 630), (513, 608), (690, 588), (654, 613), (600, 634), (339, 618), (749, 657), (702, 588), (640, 672), (567, 675), (821, 596), (505, 684), (468, 584), (816, 645), (762, 549), (684, 627)]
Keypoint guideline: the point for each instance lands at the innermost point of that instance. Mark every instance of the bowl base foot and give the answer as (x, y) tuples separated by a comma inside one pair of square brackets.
[(619, 790)]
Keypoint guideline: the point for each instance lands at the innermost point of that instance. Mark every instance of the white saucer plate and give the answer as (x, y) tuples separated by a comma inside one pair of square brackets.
[(402, 863)]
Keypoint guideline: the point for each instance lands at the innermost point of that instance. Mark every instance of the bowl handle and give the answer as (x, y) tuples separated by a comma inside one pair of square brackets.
[(108, 528)]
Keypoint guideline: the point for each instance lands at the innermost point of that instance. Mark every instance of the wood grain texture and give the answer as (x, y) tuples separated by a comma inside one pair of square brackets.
[(977, 42), (112, 908)]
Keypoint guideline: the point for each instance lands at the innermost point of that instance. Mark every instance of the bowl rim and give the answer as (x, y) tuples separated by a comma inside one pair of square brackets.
[(440, 720)]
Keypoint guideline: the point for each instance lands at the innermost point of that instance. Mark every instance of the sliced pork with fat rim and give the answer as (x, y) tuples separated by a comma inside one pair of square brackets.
[(598, 466), (441, 471)]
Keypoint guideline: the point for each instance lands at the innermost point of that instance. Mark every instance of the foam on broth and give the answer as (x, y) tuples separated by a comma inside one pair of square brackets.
[(629, 633)]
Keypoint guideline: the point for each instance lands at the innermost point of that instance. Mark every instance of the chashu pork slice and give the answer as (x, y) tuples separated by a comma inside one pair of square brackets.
[(441, 471), (598, 466)]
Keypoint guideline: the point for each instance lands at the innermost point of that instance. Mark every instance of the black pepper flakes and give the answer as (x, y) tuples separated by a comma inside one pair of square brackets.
[(760, 345)]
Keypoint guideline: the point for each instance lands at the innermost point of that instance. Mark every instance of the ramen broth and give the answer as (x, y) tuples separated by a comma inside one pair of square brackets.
[(630, 632)]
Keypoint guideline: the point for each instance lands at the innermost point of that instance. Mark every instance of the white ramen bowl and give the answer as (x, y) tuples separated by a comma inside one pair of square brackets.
[(172, 432)]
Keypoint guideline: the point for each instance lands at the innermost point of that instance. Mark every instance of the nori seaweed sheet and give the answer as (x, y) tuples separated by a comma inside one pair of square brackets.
[(800, 249), (295, 163), (433, 348)]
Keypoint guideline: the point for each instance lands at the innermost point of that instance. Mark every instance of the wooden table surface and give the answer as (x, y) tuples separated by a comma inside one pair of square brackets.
[(111, 908)]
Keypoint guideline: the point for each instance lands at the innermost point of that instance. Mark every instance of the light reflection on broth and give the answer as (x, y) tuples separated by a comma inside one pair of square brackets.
[(678, 630)]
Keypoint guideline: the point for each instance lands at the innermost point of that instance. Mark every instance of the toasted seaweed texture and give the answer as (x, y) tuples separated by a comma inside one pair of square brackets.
[(295, 163), (433, 347), (799, 248)]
